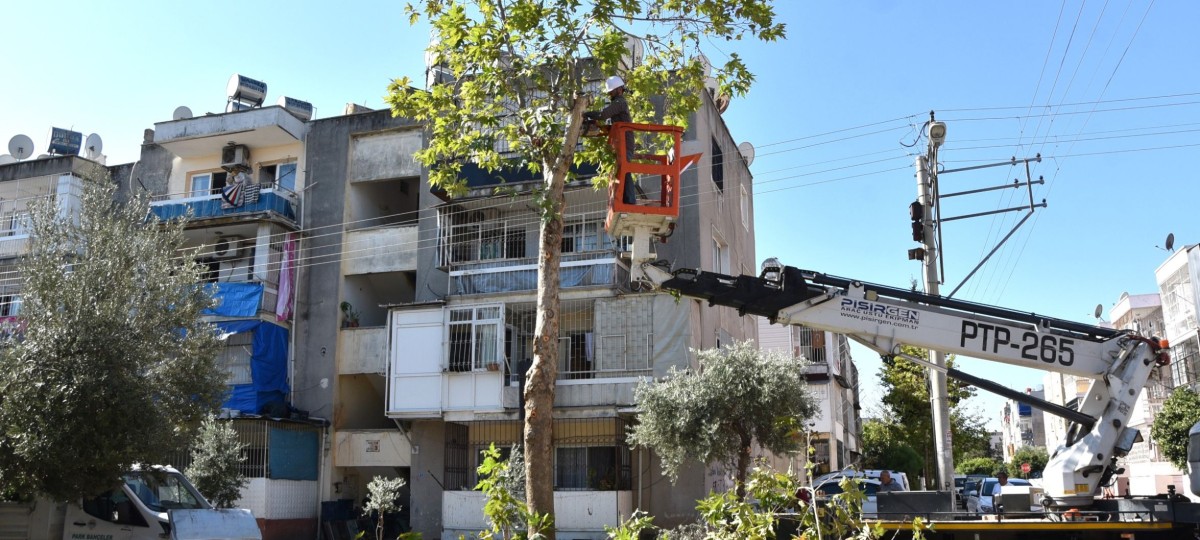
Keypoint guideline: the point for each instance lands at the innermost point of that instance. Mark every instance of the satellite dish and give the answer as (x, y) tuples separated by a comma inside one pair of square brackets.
[(5, 159), (747, 151), (20, 146), (1171, 242), (93, 146), (634, 52), (44, 156), (1099, 310), (181, 113)]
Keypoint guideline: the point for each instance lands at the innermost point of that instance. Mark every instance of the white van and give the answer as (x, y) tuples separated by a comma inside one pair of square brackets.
[(137, 510), (868, 474)]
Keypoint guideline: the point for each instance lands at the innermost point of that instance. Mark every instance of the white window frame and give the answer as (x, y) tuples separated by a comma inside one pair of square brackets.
[(275, 180), (580, 235), (480, 316), (720, 254), (474, 236), (207, 190)]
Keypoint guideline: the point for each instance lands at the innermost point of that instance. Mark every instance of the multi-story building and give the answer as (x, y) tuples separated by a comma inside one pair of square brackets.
[(237, 179), (836, 432), (418, 313), (1177, 278), (1022, 425)]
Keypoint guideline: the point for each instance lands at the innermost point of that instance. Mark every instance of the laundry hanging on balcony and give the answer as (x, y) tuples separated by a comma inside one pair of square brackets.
[(239, 192)]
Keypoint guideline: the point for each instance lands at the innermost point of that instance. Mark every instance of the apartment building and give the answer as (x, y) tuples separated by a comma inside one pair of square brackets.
[(236, 178), (1022, 425), (453, 315), (836, 432)]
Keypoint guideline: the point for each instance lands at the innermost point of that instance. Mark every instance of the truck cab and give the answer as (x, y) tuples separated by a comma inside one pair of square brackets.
[(136, 510)]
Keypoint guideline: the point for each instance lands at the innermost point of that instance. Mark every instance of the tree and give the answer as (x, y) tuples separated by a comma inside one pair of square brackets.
[(884, 447), (740, 395), (115, 362), (1170, 429), (906, 396), (216, 463), (382, 494), (1035, 456), (971, 437), (517, 73), (977, 465)]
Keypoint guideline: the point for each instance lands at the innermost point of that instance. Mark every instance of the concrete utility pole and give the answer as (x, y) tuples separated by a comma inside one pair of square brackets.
[(927, 201)]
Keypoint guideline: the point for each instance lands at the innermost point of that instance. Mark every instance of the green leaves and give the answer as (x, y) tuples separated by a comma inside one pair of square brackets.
[(216, 460), (1171, 425), (115, 362), (738, 393)]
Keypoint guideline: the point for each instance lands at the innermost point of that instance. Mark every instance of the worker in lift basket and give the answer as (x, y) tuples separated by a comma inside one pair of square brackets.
[(618, 111)]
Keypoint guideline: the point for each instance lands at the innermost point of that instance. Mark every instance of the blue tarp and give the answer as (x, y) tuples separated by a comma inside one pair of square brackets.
[(268, 366), (235, 299), (292, 455), (208, 208)]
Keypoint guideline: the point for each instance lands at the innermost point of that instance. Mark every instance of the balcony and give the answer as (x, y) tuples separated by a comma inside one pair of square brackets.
[(589, 269), (15, 204), (380, 249), (206, 135), (371, 448), (273, 202), (241, 299), (577, 514), (362, 351)]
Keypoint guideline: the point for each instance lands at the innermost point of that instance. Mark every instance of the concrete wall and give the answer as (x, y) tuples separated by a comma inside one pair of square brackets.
[(429, 445)]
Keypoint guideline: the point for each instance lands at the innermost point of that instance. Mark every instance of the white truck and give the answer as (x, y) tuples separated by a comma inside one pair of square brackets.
[(152, 503)]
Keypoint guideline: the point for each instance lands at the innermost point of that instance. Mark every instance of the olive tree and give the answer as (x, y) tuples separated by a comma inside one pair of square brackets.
[(114, 360), (513, 77), (216, 463), (739, 396)]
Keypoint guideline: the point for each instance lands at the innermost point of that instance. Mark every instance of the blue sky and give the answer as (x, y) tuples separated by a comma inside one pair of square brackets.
[(1107, 92)]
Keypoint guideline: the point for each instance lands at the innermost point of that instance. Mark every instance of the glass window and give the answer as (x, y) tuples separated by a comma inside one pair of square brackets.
[(586, 468), (474, 335), (718, 166), (201, 185), (285, 177), (579, 237), (162, 491), (114, 506)]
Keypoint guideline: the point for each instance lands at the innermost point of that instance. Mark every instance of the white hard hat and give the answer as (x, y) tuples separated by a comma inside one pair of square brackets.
[(613, 83)]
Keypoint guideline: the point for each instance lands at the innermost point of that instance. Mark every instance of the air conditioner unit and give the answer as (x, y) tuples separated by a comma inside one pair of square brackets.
[(235, 155), (228, 247)]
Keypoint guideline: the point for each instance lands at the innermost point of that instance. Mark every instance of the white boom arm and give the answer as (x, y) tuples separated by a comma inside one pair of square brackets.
[(884, 318)]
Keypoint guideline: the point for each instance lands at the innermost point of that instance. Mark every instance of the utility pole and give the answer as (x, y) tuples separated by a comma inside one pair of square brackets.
[(923, 216)]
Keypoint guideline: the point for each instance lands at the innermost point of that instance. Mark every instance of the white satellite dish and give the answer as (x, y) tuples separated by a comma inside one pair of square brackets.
[(181, 113), (93, 146), (747, 151), (634, 52), (5, 159), (44, 156), (20, 146)]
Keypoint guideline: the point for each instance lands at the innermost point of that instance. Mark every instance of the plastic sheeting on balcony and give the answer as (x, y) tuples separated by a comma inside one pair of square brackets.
[(505, 276)]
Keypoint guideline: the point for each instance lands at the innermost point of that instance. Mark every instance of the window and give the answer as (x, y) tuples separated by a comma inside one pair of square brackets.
[(588, 468), (19, 224), (10, 305), (485, 242), (476, 338), (579, 237), (718, 166), (720, 254), (278, 175), (204, 184), (114, 506), (160, 492), (745, 208)]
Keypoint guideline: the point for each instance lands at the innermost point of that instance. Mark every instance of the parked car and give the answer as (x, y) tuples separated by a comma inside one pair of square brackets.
[(870, 474), (970, 483), (833, 486), (979, 501)]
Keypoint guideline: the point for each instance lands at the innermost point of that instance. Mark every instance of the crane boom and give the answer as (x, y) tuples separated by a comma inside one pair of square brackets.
[(886, 318)]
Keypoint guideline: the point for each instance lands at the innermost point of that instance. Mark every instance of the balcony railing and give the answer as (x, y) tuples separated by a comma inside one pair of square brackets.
[(590, 269), (271, 199)]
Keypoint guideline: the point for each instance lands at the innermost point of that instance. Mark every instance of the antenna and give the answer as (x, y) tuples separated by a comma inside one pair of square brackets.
[(20, 146), (181, 113), (1171, 242), (747, 151), (93, 146), (1099, 311)]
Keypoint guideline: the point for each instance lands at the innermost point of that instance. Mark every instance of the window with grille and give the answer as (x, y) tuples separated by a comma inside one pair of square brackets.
[(580, 237), (594, 468), (476, 337), (486, 242)]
